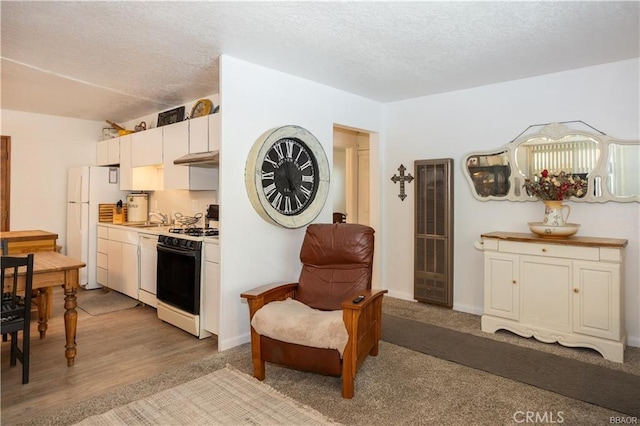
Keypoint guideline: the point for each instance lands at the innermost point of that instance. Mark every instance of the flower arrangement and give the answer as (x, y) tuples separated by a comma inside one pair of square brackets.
[(555, 187)]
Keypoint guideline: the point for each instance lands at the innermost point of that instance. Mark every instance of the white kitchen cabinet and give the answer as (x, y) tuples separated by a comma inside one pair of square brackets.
[(148, 178), (114, 266), (211, 288), (102, 153), (176, 144), (126, 181), (130, 270), (108, 152), (148, 269), (122, 261), (215, 132), (146, 148), (178, 139), (199, 134), (102, 262), (205, 133), (568, 291)]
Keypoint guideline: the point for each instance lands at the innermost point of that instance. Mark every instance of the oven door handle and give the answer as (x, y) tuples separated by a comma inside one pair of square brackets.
[(187, 253)]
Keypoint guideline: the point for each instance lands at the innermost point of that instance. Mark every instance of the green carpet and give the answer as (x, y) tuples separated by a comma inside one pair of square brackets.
[(607, 388)]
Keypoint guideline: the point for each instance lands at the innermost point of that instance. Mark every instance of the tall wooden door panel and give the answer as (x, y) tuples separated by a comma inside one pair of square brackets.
[(433, 275)]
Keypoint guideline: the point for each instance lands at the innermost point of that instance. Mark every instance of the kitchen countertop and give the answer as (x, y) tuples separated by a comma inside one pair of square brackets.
[(153, 230)]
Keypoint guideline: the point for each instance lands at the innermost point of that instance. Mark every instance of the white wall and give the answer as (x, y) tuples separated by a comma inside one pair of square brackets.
[(255, 99), (452, 124), (43, 148)]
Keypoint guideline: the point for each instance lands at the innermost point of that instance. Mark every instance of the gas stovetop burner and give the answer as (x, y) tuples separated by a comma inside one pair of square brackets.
[(195, 232)]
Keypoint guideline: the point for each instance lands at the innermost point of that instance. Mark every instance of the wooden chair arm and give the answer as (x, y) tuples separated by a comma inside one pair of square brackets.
[(369, 297), (268, 290), (259, 296)]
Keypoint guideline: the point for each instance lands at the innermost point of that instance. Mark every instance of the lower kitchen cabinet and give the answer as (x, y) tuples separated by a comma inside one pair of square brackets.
[(102, 263), (118, 260), (211, 288), (566, 291), (148, 269)]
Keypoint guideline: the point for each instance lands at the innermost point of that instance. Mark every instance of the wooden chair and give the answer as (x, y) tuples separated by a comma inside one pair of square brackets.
[(16, 310), (337, 263), (43, 296)]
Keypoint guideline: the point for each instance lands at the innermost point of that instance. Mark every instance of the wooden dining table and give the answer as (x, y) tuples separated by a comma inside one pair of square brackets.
[(51, 269)]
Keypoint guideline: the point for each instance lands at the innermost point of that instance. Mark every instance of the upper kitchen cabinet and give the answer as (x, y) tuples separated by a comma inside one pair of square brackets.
[(126, 182), (204, 134), (146, 148), (183, 138), (148, 178), (199, 134), (175, 144), (108, 152)]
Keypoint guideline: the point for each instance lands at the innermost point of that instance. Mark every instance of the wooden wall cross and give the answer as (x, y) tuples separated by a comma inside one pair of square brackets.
[(402, 179)]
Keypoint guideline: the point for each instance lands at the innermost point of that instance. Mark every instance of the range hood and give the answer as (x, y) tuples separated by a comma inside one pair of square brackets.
[(199, 159)]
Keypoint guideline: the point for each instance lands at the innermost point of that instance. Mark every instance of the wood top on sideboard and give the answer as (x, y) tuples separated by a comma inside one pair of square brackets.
[(569, 241)]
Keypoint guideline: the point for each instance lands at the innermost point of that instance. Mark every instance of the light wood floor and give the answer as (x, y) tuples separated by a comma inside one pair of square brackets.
[(113, 350)]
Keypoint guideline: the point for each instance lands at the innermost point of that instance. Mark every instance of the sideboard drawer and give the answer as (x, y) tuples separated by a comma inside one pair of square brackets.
[(550, 250)]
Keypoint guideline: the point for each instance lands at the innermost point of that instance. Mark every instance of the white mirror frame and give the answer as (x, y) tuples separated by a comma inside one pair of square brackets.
[(598, 178)]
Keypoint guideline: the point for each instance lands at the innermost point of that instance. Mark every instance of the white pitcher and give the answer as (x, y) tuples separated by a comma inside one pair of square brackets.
[(553, 213)]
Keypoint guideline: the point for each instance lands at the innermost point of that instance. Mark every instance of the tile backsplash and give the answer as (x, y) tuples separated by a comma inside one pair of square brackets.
[(186, 202)]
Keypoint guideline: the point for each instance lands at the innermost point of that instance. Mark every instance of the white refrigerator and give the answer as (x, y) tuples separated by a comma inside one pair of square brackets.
[(87, 187)]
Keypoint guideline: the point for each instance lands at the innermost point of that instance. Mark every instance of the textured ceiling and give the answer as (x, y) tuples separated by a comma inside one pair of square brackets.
[(123, 60)]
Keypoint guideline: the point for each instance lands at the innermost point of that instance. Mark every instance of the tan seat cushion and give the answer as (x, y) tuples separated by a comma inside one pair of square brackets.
[(294, 322)]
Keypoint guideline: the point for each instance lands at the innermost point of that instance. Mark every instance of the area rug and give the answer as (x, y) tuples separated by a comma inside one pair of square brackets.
[(398, 387), (103, 301), (224, 397), (604, 387)]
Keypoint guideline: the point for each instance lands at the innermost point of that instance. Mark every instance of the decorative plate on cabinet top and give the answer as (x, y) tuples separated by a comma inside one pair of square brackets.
[(549, 231), (201, 108)]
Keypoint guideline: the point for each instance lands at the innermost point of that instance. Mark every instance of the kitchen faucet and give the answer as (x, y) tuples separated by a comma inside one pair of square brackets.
[(163, 217)]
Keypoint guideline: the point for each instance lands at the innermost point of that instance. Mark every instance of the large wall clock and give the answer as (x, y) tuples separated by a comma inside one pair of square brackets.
[(287, 176)]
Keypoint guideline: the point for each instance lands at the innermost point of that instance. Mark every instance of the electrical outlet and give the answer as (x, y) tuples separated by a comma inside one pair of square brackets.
[(194, 205)]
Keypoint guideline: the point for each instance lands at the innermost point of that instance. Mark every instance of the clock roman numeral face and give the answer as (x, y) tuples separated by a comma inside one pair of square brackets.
[(289, 173)]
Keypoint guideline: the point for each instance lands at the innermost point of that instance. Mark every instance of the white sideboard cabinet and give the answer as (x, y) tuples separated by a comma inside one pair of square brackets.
[(568, 291)]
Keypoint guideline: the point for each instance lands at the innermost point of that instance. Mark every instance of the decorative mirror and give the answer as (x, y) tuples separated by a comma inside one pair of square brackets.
[(610, 166)]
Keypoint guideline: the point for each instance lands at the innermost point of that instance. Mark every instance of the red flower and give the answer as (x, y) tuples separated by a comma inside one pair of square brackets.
[(559, 186)]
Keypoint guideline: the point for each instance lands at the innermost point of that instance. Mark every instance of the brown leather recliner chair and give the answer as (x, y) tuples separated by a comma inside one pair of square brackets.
[(337, 263)]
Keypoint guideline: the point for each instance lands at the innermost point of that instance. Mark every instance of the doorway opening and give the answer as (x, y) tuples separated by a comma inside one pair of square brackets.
[(351, 175)]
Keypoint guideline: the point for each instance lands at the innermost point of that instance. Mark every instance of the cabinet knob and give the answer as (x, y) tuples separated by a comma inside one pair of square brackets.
[(576, 290), (514, 281), (544, 250)]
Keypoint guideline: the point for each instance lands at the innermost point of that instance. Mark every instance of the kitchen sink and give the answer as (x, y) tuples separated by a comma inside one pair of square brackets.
[(144, 224)]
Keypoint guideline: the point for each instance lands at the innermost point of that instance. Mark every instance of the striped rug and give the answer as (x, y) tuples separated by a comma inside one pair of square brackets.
[(224, 397)]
